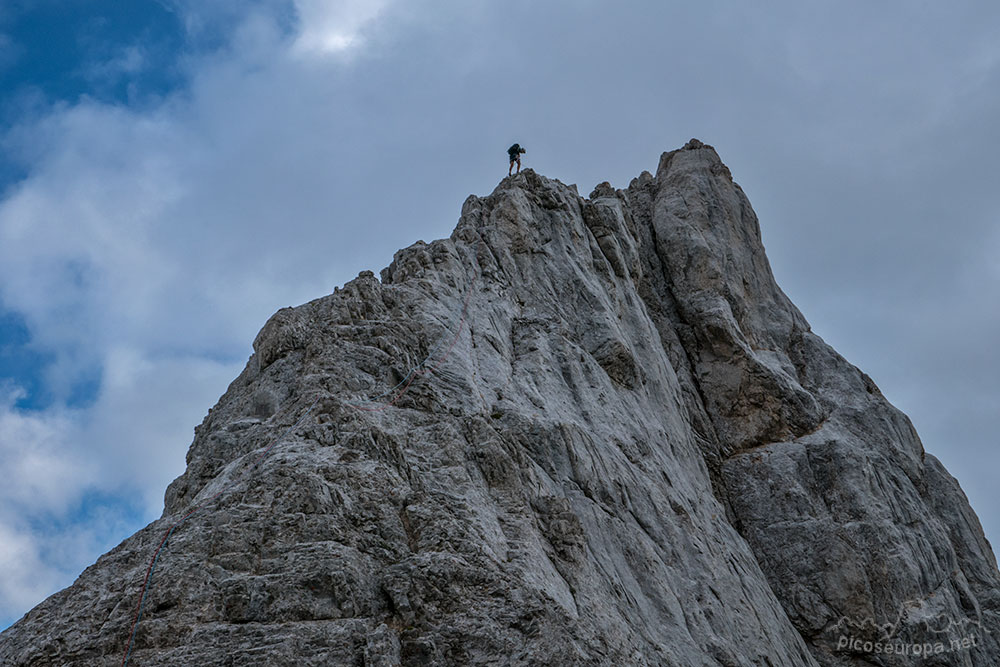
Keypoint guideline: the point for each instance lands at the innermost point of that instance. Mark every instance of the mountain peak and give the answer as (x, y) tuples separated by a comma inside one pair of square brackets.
[(577, 431)]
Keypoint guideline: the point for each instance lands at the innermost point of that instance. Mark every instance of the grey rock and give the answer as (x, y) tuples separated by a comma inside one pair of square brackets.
[(576, 432)]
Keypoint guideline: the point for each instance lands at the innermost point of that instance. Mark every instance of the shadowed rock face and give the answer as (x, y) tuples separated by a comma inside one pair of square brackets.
[(622, 445)]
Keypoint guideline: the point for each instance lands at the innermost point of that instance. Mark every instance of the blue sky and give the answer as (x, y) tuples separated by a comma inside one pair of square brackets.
[(171, 173), (113, 51)]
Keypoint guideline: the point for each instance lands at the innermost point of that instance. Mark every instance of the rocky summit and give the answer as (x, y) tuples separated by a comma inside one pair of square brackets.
[(579, 431)]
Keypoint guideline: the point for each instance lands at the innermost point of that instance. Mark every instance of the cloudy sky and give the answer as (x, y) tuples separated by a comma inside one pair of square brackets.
[(174, 171)]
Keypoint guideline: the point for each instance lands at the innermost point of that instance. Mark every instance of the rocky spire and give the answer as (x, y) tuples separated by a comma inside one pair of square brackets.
[(579, 431)]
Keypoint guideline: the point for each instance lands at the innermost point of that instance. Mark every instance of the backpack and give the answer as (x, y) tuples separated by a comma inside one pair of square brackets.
[(514, 150)]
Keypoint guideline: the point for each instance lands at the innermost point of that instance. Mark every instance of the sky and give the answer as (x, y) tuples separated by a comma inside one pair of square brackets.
[(174, 171)]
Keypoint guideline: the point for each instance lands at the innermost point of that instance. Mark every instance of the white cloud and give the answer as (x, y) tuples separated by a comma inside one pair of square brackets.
[(25, 580), (334, 26), (40, 477), (128, 62), (39, 472)]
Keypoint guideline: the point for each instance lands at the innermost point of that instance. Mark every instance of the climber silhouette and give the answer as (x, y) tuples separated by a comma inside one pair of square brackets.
[(515, 156)]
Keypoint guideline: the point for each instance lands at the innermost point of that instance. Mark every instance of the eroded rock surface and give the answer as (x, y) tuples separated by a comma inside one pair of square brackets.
[(579, 431)]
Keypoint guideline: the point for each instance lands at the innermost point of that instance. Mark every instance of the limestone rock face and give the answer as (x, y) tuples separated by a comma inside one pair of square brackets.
[(579, 431)]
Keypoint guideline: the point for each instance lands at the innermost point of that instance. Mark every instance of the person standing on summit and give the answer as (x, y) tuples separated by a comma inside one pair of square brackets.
[(515, 156)]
